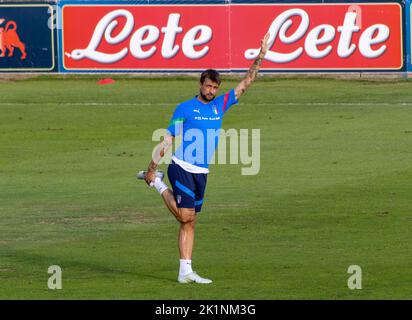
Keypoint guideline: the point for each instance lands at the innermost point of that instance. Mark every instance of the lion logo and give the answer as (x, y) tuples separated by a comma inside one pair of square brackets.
[(9, 39)]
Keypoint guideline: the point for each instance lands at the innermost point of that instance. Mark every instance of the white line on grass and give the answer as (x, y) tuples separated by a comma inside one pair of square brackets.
[(173, 104)]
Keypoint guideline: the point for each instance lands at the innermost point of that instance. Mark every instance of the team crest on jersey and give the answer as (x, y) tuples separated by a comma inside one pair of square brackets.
[(215, 110)]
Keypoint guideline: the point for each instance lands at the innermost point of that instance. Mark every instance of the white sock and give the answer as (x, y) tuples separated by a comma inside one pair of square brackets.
[(185, 267), (160, 185)]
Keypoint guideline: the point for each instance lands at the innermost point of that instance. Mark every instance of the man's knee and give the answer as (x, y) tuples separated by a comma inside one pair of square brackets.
[(187, 215)]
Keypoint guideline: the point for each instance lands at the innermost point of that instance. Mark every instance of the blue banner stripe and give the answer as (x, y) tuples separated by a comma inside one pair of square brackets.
[(198, 203), (185, 189)]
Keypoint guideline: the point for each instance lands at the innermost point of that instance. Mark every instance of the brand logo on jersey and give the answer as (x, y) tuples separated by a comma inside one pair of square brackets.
[(9, 39), (196, 110)]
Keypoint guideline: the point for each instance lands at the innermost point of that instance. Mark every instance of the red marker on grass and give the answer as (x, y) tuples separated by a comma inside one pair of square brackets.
[(106, 81)]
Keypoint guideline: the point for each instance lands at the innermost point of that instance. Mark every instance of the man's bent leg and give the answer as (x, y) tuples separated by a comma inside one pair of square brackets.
[(182, 206), (170, 202), (167, 196)]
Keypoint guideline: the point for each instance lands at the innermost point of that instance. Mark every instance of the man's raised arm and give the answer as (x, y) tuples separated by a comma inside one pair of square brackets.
[(254, 69)]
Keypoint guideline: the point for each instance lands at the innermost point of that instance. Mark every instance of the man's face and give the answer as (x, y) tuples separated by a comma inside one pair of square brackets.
[(208, 90)]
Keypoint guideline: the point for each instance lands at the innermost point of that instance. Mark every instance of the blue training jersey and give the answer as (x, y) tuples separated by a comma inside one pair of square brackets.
[(200, 125)]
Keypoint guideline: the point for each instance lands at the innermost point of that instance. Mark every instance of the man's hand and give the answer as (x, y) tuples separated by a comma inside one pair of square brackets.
[(159, 153), (150, 177), (254, 69)]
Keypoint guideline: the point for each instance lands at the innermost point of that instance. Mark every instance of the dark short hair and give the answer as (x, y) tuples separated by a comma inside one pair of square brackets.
[(210, 74)]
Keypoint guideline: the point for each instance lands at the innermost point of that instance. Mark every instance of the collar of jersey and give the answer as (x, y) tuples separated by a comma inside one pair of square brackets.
[(203, 104)]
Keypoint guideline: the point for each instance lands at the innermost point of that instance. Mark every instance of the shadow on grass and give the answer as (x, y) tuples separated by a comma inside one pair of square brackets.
[(80, 266)]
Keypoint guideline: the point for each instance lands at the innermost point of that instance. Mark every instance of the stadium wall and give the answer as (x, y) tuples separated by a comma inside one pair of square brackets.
[(71, 36), (28, 37), (408, 35)]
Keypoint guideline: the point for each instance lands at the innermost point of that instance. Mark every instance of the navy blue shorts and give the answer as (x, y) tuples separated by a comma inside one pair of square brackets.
[(188, 188)]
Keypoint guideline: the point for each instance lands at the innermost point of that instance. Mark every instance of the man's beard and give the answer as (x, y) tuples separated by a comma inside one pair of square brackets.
[(205, 97)]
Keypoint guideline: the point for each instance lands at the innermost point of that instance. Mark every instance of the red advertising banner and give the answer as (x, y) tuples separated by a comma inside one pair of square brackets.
[(227, 37), (319, 36), (140, 37)]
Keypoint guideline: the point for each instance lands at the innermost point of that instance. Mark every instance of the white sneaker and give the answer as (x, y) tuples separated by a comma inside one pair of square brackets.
[(142, 174), (193, 277)]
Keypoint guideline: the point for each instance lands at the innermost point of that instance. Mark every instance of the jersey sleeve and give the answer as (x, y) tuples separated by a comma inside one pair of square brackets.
[(176, 123), (229, 99)]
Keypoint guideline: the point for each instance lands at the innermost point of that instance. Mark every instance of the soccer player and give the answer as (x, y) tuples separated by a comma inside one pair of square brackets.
[(188, 172)]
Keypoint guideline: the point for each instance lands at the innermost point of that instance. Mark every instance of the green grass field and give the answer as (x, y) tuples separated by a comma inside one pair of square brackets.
[(334, 190)]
